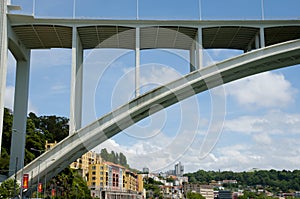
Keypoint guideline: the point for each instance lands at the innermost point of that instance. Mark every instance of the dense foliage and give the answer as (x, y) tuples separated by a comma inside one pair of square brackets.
[(39, 129), (271, 180), (114, 157), (193, 195), (153, 188), (7, 189)]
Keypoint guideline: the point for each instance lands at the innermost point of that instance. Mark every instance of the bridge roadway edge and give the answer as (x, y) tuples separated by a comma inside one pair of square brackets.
[(85, 139)]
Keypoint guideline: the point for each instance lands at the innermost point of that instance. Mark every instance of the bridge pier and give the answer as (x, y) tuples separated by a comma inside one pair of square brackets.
[(196, 52), (17, 151), (137, 61), (3, 61), (262, 37), (193, 57), (199, 49), (76, 83)]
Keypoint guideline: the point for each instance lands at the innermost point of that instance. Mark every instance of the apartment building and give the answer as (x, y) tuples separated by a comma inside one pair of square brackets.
[(108, 176), (84, 161)]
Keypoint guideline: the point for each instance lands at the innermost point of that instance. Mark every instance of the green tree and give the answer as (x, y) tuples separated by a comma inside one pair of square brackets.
[(123, 160), (193, 195), (7, 189), (104, 154)]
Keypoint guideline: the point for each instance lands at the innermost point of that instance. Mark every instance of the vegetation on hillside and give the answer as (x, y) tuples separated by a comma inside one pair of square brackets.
[(114, 157), (40, 129), (272, 180)]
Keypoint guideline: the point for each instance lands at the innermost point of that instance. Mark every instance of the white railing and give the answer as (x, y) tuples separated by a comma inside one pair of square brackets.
[(157, 9)]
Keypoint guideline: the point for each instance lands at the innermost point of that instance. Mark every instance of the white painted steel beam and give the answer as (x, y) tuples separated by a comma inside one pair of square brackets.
[(76, 83), (199, 49), (137, 61), (262, 37)]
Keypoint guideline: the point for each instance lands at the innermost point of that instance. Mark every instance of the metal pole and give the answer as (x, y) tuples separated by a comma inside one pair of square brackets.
[(45, 189), (38, 182), (137, 9), (15, 181), (200, 9), (74, 9), (262, 10), (33, 8)]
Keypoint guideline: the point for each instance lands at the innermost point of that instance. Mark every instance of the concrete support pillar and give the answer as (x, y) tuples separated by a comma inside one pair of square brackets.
[(199, 49), (137, 61), (76, 83), (262, 37), (17, 150), (3, 61), (192, 56), (257, 41)]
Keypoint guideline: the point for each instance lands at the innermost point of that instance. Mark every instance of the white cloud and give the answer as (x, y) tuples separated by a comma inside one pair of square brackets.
[(9, 100), (59, 88), (9, 97), (263, 90), (274, 122)]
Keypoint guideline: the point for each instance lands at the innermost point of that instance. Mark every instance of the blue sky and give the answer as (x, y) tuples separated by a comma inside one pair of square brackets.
[(260, 115)]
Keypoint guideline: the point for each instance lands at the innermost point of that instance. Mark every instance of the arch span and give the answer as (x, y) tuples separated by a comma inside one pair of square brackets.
[(72, 147)]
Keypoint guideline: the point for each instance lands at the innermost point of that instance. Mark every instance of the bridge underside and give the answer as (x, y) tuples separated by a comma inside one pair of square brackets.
[(153, 34)]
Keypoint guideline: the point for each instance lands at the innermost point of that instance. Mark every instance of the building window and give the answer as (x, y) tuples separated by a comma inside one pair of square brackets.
[(101, 167), (93, 178), (101, 178), (93, 173), (93, 167), (101, 173), (93, 183)]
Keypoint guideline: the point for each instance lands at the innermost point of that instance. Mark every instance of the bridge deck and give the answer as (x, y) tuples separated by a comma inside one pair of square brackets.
[(36, 33)]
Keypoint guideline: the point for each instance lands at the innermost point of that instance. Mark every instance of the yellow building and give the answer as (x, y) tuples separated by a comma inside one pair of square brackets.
[(49, 146), (140, 183), (131, 181), (108, 176), (81, 163), (85, 161)]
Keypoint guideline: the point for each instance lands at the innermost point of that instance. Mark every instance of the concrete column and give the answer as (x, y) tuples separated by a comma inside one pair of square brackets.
[(192, 56), (17, 150), (262, 37), (137, 62), (3, 61), (199, 49), (257, 41), (76, 83)]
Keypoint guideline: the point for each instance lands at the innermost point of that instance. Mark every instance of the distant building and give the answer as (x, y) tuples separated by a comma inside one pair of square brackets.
[(49, 146), (224, 194), (179, 169), (297, 194), (205, 190), (145, 170)]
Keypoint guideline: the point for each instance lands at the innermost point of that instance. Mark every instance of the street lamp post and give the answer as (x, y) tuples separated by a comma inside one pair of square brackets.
[(37, 188), (45, 189)]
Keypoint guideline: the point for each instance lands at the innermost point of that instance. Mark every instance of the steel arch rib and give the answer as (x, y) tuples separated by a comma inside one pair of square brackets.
[(85, 139)]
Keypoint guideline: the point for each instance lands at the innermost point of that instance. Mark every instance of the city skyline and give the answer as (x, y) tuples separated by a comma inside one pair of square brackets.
[(259, 109)]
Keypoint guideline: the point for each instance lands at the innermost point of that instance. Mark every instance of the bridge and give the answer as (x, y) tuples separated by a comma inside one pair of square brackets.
[(268, 45)]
